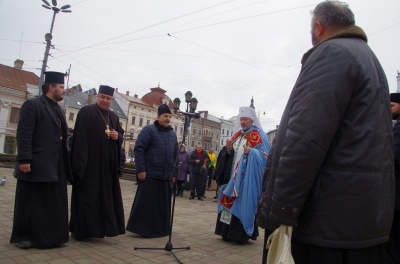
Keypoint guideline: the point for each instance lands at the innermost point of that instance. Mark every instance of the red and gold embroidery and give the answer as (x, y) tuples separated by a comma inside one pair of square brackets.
[(227, 201), (253, 138)]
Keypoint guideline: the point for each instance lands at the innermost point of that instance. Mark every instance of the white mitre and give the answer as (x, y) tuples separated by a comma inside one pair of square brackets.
[(249, 112)]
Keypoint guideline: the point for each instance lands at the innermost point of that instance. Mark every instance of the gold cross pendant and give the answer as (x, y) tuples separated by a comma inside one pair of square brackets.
[(107, 131)]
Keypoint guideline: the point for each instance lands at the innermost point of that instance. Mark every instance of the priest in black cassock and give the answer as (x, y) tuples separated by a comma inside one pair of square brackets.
[(41, 199), (96, 202)]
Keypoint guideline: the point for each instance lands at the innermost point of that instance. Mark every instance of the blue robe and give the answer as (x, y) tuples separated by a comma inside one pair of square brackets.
[(245, 185)]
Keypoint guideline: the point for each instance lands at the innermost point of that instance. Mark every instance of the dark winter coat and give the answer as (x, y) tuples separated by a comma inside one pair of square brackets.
[(192, 160), (38, 138), (330, 173), (155, 151), (184, 168), (396, 141)]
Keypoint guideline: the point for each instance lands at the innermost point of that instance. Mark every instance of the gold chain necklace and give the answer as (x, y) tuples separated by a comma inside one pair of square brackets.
[(107, 131)]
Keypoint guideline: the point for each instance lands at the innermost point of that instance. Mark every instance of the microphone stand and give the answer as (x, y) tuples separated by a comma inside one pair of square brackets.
[(169, 247)]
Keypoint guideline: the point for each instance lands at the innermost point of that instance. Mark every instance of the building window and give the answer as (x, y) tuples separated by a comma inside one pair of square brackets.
[(176, 128), (212, 135), (194, 132), (14, 115), (133, 120), (222, 142), (227, 132), (223, 131), (71, 116), (181, 130), (148, 122), (10, 145), (141, 122)]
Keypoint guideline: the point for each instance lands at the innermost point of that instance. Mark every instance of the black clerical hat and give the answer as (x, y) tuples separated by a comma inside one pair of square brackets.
[(54, 77), (395, 98), (105, 89), (163, 109)]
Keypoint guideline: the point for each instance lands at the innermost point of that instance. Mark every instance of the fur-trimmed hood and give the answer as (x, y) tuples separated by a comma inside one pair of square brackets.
[(348, 32)]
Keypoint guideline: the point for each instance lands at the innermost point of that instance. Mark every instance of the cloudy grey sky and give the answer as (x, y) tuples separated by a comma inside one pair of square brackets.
[(224, 51)]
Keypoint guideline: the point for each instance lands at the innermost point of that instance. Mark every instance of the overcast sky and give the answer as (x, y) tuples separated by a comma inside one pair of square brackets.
[(224, 51)]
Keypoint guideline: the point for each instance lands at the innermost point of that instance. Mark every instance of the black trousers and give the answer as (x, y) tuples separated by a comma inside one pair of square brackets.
[(197, 186), (393, 246), (308, 254)]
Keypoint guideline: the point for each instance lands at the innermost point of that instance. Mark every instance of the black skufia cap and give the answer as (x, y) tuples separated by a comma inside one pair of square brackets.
[(163, 109), (54, 77), (395, 98), (105, 89)]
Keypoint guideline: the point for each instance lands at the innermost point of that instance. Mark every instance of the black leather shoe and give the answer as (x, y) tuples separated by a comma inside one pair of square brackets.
[(191, 198), (200, 199), (80, 238), (24, 244)]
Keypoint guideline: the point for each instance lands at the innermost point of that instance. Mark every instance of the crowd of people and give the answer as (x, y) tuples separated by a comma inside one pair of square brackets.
[(332, 172)]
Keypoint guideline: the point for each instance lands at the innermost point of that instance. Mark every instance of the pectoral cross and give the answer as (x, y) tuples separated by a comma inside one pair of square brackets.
[(107, 131)]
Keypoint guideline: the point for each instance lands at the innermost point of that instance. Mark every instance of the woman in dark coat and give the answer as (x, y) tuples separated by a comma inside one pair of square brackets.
[(183, 169)]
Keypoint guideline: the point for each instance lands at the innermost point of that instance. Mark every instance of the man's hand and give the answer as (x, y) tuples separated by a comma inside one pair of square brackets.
[(113, 134), (25, 167), (173, 179), (142, 175), (246, 150), (229, 145)]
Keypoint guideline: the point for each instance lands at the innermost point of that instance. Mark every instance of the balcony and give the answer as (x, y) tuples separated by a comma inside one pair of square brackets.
[(207, 139)]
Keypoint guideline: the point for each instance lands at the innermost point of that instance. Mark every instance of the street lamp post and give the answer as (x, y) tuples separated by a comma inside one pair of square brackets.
[(191, 105), (49, 36)]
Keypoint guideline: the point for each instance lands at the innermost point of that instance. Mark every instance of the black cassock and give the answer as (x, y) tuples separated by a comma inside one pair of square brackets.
[(41, 208), (96, 202)]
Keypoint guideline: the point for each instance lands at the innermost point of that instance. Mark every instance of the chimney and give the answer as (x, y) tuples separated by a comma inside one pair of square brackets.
[(116, 90), (127, 93), (135, 95), (205, 114), (89, 99), (18, 64), (73, 89)]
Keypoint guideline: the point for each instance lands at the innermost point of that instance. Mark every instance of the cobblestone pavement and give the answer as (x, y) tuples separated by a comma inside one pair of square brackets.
[(194, 224)]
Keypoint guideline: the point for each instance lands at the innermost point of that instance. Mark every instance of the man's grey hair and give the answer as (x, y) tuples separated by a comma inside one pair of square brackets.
[(332, 13)]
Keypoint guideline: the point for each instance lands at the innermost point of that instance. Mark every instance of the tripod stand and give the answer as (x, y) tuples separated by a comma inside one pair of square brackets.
[(169, 247)]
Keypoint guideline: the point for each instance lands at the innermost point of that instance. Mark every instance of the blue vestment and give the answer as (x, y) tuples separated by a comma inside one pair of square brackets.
[(245, 185)]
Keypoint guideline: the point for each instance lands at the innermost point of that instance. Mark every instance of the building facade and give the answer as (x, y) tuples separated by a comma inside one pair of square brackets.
[(16, 86)]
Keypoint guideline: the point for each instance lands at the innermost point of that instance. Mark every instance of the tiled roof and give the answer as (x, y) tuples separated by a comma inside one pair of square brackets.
[(11, 77), (134, 99)]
